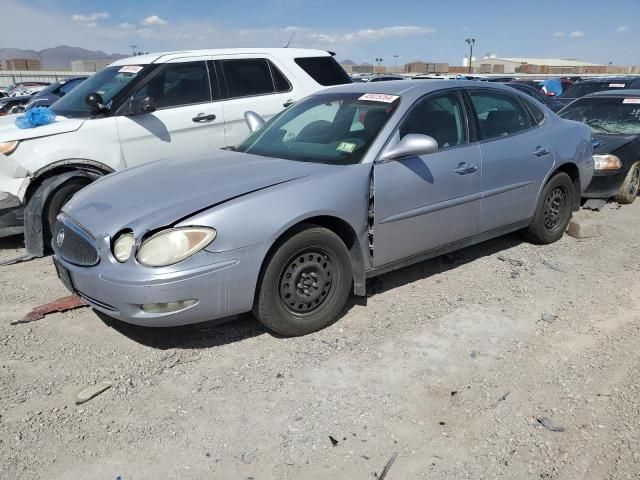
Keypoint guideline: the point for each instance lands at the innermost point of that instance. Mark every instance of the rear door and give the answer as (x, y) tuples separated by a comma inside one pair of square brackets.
[(424, 202), (516, 156), (255, 83), (186, 122)]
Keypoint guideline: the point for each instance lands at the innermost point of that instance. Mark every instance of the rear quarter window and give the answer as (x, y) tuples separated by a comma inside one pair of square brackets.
[(324, 70)]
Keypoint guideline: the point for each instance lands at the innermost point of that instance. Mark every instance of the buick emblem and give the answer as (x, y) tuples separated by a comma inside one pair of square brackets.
[(60, 237)]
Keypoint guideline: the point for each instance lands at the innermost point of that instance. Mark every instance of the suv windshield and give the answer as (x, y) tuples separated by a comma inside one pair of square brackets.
[(331, 128), (606, 114), (581, 89), (108, 83)]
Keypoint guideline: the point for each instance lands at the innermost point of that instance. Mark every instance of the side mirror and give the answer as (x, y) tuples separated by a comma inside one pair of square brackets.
[(254, 121), (411, 145), (140, 106), (95, 102)]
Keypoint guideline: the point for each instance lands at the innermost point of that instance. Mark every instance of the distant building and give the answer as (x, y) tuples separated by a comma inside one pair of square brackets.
[(351, 68), (426, 67), (30, 64), (89, 65), (510, 65)]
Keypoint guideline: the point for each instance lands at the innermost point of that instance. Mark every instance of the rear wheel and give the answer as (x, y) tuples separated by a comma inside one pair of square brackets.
[(630, 187), (305, 284), (56, 201), (554, 210)]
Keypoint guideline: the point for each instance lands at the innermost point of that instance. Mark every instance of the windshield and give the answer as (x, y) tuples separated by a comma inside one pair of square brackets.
[(108, 83), (606, 115), (581, 89), (331, 128)]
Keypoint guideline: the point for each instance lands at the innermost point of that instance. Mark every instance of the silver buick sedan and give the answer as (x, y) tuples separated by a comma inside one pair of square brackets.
[(344, 185)]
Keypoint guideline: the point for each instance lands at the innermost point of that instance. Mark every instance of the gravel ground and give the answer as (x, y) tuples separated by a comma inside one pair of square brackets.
[(504, 360)]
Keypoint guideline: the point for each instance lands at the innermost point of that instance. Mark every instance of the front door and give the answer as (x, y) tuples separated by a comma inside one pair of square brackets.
[(186, 121), (424, 202), (516, 156)]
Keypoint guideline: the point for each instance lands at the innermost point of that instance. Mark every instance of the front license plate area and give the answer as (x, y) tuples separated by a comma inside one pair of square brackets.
[(63, 275)]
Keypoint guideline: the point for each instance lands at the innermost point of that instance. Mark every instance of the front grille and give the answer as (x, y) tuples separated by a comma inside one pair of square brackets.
[(73, 244)]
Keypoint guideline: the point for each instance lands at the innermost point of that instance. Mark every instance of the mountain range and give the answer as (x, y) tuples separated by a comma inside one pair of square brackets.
[(58, 57)]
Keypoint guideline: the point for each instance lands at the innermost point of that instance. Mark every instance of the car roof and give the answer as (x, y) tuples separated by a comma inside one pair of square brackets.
[(163, 57), (629, 92), (609, 79), (417, 87)]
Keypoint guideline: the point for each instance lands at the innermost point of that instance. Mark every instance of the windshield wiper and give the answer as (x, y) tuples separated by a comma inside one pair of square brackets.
[(599, 127)]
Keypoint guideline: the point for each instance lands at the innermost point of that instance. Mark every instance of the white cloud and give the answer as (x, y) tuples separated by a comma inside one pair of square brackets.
[(154, 20), (559, 34), (91, 19), (577, 33), (622, 29), (365, 34), (125, 25)]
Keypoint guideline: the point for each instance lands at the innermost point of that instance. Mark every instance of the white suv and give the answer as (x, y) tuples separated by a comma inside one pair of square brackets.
[(142, 109)]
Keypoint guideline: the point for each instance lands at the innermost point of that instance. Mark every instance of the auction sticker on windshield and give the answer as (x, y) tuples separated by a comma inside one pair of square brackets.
[(346, 147), (635, 101), (379, 97), (130, 69)]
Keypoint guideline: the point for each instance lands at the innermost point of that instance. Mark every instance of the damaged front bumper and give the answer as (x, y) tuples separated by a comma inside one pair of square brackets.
[(11, 215)]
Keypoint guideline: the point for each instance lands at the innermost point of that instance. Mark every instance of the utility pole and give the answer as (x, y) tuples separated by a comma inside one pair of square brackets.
[(395, 63), (133, 49), (471, 42)]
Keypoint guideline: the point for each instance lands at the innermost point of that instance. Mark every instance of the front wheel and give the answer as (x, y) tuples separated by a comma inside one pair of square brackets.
[(305, 284), (56, 201), (554, 210), (630, 187)]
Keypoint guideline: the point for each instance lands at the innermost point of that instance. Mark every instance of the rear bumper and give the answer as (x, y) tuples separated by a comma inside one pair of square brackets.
[(11, 215)]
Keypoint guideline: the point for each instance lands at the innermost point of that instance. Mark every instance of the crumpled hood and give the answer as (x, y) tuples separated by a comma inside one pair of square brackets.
[(160, 193), (610, 143), (9, 132)]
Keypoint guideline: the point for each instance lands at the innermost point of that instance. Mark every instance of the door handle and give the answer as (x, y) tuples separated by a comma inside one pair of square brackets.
[(204, 118), (465, 169), (288, 103), (541, 152)]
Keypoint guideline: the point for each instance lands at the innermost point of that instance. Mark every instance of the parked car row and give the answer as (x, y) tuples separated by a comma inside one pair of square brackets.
[(314, 191), (23, 97)]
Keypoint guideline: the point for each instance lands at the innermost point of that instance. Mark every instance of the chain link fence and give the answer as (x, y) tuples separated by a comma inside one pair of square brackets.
[(8, 78)]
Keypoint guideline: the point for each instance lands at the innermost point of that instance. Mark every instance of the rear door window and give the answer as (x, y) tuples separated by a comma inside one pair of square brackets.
[(498, 114), (324, 70), (253, 76)]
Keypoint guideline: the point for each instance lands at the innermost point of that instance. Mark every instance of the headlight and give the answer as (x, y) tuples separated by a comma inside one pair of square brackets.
[(122, 247), (173, 245), (606, 162), (8, 147)]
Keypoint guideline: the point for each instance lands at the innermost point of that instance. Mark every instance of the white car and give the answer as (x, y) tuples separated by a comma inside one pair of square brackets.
[(142, 109)]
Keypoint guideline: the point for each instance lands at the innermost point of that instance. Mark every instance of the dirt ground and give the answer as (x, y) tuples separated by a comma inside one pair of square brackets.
[(453, 364)]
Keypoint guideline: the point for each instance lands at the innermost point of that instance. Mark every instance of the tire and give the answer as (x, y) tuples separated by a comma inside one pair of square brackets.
[(318, 261), (56, 201), (630, 187), (554, 210)]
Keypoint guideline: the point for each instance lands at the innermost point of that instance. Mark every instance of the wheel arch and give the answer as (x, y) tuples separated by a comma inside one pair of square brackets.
[(336, 225), (63, 167), (573, 171)]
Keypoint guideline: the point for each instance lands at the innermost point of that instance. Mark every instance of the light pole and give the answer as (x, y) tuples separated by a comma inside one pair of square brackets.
[(471, 42), (395, 64)]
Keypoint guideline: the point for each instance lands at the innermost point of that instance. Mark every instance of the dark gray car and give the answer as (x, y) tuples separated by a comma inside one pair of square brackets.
[(345, 185)]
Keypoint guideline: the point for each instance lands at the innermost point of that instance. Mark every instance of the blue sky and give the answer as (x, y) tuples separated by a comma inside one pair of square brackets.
[(589, 30)]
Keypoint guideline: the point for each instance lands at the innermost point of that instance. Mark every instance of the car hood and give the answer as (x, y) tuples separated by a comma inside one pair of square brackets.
[(610, 143), (161, 193), (9, 132)]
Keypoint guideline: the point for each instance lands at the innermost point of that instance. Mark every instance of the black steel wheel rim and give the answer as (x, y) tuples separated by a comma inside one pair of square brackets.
[(306, 280), (635, 181), (554, 206)]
